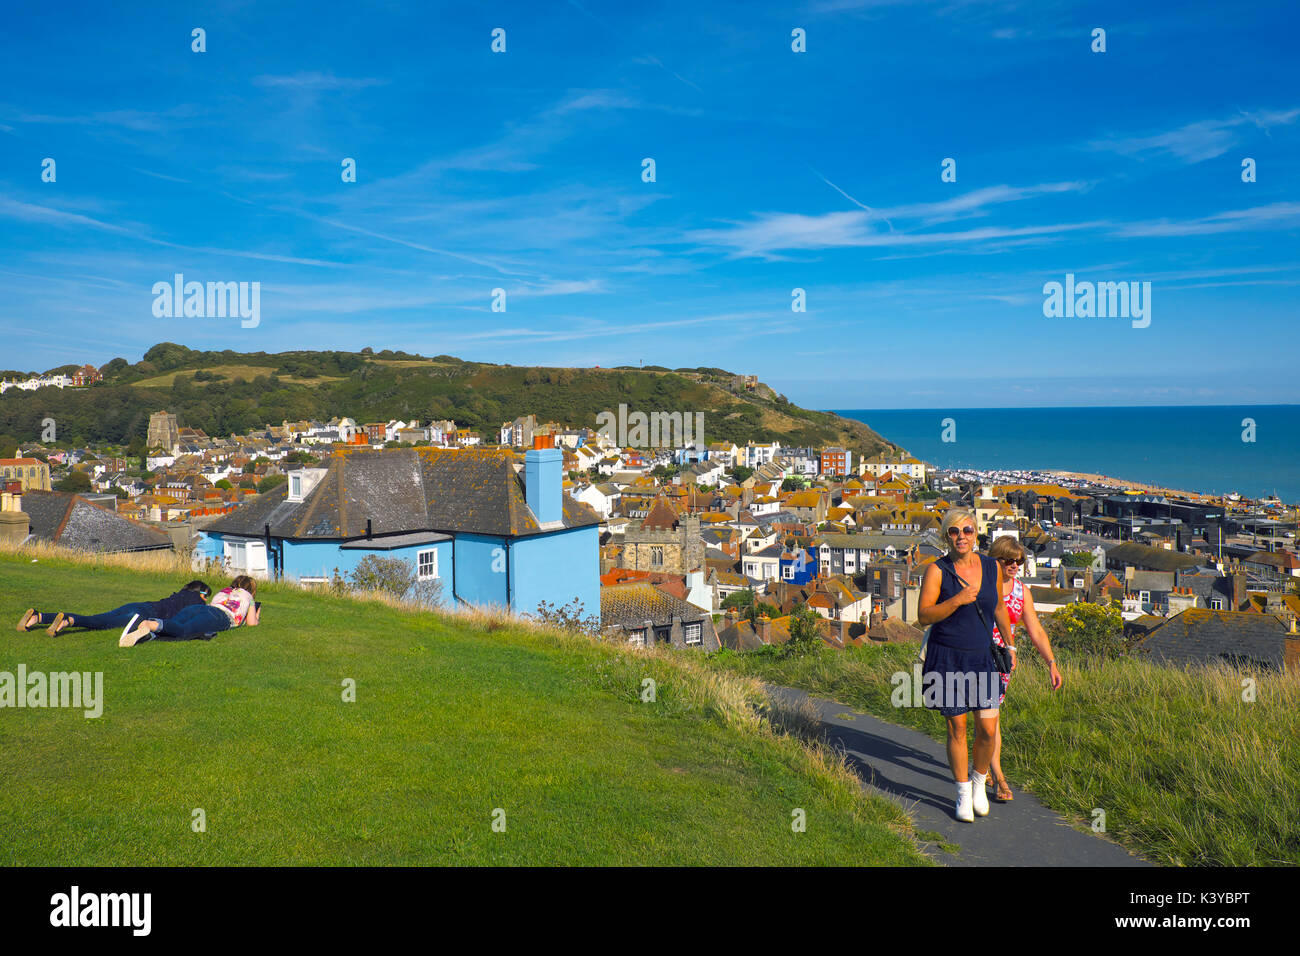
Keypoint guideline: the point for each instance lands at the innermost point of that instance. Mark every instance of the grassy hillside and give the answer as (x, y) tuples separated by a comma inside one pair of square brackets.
[(1187, 769), (237, 391), (452, 720)]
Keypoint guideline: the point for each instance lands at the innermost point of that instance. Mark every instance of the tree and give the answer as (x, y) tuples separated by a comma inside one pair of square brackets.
[(77, 481), (750, 607), (223, 483), (742, 473), (269, 482), (805, 635), (1079, 559), (1093, 632)]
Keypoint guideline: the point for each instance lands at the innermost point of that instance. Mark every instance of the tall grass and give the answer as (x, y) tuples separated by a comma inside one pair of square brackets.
[(1186, 766)]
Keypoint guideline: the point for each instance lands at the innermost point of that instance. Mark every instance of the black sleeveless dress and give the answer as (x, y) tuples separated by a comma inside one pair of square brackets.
[(959, 674)]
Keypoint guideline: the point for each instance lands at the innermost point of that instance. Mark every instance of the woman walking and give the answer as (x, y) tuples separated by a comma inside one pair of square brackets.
[(960, 602), (232, 606), (1010, 556)]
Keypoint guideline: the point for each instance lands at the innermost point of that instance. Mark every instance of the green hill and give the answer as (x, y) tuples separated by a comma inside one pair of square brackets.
[(453, 720), (227, 392)]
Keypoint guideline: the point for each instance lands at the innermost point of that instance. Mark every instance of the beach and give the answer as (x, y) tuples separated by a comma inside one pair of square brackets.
[(1142, 486)]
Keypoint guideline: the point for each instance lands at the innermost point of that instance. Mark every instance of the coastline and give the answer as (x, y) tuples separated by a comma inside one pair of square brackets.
[(1142, 486)]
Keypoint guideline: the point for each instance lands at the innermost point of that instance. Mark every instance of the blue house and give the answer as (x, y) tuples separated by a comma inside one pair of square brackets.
[(798, 566), (494, 533)]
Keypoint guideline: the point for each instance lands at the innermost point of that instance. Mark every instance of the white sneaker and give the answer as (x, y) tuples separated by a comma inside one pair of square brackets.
[(980, 796), (964, 810)]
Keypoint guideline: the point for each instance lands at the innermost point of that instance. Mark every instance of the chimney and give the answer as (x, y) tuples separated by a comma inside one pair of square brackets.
[(761, 627), (543, 485)]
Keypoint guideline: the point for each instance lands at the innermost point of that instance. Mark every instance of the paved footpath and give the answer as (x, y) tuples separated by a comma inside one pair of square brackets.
[(912, 769)]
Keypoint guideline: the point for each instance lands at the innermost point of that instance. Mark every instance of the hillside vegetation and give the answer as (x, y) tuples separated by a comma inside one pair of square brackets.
[(454, 719), (1191, 767), (233, 392)]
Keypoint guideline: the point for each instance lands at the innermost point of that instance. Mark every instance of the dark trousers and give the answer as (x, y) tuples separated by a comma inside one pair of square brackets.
[(113, 620), (193, 622)]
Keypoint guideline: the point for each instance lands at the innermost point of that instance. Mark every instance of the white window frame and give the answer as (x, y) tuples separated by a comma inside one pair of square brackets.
[(1216, 604), (432, 554), (694, 634), (295, 487), (637, 637), (1144, 597)]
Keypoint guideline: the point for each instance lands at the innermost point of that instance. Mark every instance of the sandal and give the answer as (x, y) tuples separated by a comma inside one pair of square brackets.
[(25, 622), (1003, 793), (61, 624)]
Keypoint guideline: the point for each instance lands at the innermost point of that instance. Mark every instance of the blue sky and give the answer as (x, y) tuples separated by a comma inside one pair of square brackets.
[(775, 170)]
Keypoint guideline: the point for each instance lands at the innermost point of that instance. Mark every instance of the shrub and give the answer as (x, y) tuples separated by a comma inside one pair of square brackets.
[(396, 577), (805, 635), (1088, 631), (568, 617)]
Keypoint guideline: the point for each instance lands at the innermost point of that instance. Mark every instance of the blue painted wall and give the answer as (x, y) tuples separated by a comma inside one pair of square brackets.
[(318, 559), (557, 568), (481, 569)]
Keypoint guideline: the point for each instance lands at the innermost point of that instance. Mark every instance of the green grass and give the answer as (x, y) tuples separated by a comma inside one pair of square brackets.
[(452, 720), (1186, 770), (232, 372)]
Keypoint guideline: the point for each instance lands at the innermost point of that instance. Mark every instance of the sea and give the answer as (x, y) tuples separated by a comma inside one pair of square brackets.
[(1213, 449)]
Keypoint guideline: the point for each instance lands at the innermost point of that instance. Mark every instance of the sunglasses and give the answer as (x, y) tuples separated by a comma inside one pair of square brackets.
[(1012, 562), (953, 532)]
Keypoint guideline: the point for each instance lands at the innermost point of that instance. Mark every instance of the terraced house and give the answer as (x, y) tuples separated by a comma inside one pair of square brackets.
[(493, 535)]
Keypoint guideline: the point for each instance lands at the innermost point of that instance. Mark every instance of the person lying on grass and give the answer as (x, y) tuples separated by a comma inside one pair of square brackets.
[(192, 595), (231, 607)]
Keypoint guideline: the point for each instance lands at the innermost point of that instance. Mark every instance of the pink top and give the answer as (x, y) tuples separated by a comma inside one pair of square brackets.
[(235, 602), (1015, 602)]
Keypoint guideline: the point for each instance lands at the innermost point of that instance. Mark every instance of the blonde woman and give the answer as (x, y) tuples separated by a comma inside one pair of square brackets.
[(1010, 556), (960, 602)]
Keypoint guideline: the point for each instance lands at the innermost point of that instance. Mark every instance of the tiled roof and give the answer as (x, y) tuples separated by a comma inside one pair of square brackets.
[(1198, 635), (632, 603), (1155, 559), (475, 491), (74, 522), (661, 516)]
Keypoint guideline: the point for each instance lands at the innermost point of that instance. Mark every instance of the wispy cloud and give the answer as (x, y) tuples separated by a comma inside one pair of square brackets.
[(315, 82), (770, 233), (1278, 215), (1199, 141)]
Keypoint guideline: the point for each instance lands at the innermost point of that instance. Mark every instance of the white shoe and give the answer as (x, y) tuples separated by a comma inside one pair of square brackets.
[(964, 810), (980, 796), (129, 637)]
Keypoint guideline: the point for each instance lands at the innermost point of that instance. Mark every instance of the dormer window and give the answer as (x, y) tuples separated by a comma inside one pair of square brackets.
[(295, 487)]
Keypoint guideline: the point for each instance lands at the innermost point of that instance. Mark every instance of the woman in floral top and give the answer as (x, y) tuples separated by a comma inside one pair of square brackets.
[(1010, 556)]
